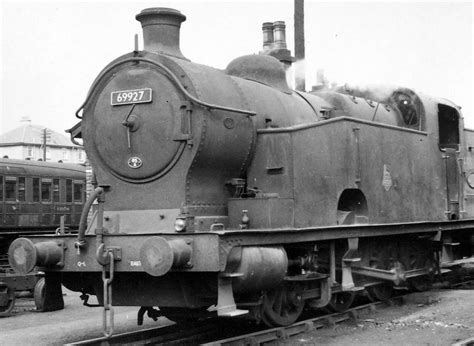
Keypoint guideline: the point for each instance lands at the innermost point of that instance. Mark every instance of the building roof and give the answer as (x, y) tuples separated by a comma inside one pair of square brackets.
[(28, 134)]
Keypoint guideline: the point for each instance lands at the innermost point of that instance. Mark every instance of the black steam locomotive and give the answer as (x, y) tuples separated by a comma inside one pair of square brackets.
[(228, 193), (35, 196)]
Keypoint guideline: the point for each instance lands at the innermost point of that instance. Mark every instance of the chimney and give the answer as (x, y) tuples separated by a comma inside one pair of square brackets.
[(161, 27), (274, 42), (279, 35), (267, 29)]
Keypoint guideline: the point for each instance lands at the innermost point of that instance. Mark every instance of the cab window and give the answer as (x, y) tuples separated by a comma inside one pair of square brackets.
[(407, 108), (448, 122)]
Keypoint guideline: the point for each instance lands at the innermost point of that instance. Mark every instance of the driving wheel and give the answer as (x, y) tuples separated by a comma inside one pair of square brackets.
[(381, 292), (341, 301), (282, 306)]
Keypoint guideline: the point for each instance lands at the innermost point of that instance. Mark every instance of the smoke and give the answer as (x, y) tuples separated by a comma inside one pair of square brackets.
[(376, 92), (322, 81), (296, 73), (299, 68)]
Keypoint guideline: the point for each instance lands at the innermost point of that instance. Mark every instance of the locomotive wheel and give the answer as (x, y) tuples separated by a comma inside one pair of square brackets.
[(380, 292), (282, 307), (424, 282), (421, 283), (40, 293), (7, 300), (341, 301)]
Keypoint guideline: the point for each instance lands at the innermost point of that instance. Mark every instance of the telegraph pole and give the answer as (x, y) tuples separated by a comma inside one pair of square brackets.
[(300, 83), (46, 136)]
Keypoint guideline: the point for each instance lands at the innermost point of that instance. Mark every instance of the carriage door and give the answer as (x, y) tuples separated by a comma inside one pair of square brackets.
[(448, 120), (11, 202)]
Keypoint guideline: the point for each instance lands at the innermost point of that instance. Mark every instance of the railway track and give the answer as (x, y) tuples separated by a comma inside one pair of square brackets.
[(213, 332), (466, 285), (274, 334), (171, 335)]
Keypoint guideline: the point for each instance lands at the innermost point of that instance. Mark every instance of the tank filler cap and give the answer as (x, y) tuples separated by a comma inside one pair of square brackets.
[(264, 69)]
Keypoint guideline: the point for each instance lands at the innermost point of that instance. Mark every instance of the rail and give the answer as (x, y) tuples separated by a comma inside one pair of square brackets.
[(210, 332)]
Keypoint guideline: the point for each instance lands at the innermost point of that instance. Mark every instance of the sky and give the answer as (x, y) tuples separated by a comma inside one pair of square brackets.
[(52, 51)]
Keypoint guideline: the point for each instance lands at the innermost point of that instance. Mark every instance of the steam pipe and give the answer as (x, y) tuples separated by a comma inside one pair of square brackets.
[(81, 233), (99, 231)]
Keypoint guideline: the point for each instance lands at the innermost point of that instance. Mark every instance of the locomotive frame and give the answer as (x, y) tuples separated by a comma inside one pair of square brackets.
[(256, 200)]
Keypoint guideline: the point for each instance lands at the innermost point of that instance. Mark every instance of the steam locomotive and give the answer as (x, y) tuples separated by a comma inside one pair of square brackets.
[(34, 197), (228, 193)]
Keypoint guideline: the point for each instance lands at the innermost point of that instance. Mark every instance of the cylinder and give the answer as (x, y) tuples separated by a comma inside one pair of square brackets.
[(262, 268)]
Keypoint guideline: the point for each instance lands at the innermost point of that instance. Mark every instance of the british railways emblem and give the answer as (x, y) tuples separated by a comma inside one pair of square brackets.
[(135, 162)]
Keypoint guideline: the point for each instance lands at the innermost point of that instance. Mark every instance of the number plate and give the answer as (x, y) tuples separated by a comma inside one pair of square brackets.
[(128, 97)]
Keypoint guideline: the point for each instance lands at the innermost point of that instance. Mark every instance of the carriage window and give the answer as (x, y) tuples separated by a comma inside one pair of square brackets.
[(56, 195), (10, 189), (36, 189), (46, 191), (21, 189), (68, 190), (1, 187), (78, 192)]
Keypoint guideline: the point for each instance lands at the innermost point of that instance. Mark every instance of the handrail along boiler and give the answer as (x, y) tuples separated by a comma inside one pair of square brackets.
[(224, 191)]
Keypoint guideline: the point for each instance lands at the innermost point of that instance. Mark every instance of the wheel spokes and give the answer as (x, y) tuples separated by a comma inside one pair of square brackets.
[(279, 309)]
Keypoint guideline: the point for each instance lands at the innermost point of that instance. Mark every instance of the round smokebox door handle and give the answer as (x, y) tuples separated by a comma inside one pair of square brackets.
[(131, 122)]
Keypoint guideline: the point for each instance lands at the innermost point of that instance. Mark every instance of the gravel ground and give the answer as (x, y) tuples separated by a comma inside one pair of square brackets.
[(440, 317), (75, 322)]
